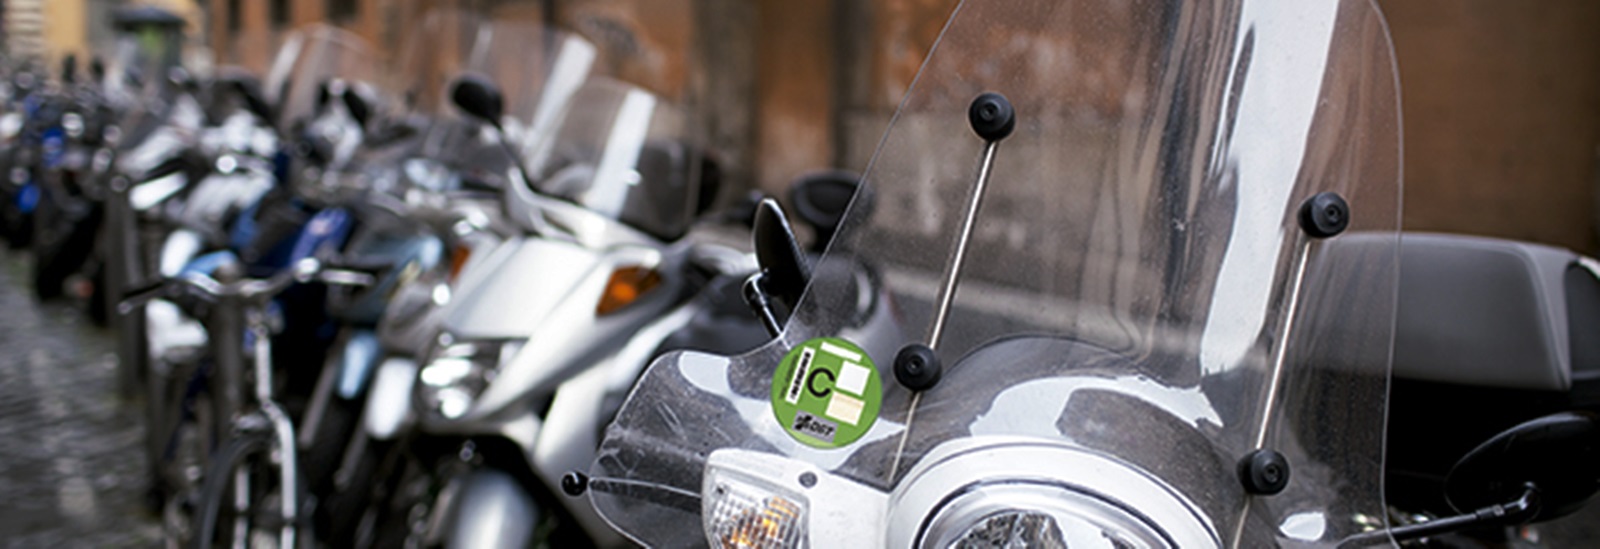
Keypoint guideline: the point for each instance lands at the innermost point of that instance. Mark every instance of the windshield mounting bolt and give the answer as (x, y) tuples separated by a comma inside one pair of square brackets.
[(574, 483), (992, 117), (917, 367), (1264, 472), (1324, 214)]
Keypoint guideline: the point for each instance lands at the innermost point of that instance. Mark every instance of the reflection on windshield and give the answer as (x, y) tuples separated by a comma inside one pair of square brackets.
[(622, 152)]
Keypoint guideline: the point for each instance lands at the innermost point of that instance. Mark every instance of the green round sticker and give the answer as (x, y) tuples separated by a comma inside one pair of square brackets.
[(826, 392)]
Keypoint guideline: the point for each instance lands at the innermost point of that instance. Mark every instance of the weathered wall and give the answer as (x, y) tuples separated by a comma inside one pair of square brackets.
[(65, 31), (1502, 116), (1501, 100)]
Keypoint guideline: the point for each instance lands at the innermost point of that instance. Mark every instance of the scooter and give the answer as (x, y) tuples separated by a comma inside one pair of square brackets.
[(41, 145), (509, 395), (121, 106), (243, 202), (1164, 320)]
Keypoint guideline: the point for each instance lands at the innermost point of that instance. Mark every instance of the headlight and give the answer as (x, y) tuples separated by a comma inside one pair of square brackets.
[(1036, 515), (458, 373), (1004, 491)]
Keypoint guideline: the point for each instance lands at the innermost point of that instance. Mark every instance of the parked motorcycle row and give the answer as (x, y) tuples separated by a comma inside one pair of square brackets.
[(460, 297)]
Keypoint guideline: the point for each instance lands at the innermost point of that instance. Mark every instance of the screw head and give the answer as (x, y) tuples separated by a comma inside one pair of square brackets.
[(1324, 214), (1264, 472), (574, 483), (917, 367), (992, 116)]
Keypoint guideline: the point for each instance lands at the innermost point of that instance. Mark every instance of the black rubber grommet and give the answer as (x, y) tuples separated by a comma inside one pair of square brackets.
[(574, 483), (991, 116), (916, 367), (1264, 472), (1324, 215)]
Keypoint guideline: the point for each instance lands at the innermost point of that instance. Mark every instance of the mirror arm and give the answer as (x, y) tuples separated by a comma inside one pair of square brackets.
[(1517, 511), (755, 295)]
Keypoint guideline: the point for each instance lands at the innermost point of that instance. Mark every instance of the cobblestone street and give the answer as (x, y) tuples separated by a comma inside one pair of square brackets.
[(71, 467)]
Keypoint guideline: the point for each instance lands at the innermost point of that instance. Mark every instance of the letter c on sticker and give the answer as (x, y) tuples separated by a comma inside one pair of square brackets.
[(811, 382)]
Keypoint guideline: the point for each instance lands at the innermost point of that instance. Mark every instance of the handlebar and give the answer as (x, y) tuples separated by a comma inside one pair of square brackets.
[(210, 290)]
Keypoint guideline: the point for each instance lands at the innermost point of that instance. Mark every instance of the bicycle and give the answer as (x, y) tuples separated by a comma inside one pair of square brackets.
[(252, 486)]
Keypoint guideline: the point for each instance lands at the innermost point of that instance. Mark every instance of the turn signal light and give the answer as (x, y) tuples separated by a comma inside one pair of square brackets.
[(742, 512), (458, 259), (627, 284)]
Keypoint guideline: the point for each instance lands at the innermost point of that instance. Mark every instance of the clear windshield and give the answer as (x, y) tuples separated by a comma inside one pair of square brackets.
[(536, 68), (1137, 282), (139, 60), (625, 153), (308, 62)]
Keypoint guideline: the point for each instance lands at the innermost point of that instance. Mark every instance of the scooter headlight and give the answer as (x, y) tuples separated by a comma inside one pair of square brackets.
[(1031, 515), (458, 373)]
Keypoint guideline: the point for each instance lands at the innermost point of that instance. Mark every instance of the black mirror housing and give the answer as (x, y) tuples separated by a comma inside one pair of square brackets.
[(1558, 454), (479, 97), (358, 107), (782, 263)]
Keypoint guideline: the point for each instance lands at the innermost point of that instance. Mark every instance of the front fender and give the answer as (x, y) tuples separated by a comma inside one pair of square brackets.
[(491, 510)]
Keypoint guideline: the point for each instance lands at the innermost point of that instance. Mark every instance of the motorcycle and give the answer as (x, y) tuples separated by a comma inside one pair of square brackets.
[(243, 204), (40, 146), (1154, 307), (507, 397), (71, 207)]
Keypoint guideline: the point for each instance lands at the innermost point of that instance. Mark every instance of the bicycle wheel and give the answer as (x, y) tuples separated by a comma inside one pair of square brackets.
[(241, 501)]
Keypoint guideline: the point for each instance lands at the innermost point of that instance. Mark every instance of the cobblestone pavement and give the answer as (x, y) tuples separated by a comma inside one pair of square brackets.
[(71, 467)]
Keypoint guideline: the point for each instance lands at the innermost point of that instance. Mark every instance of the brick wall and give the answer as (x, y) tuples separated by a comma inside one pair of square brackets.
[(1501, 100)]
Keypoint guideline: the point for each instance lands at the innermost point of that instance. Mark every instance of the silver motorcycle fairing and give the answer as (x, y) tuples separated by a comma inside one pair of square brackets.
[(544, 292), (214, 197), (168, 328), (388, 410)]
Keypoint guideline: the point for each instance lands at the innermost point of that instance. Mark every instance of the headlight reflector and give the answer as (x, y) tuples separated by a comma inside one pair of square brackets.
[(458, 373)]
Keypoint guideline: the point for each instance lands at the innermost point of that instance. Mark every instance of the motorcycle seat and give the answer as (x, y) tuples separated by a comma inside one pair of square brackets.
[(1495, 313)]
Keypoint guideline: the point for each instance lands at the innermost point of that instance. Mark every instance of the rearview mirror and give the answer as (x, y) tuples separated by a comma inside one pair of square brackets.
[(478, 97), (357, 105), (1558, 454), (783, 265), (248, 90)]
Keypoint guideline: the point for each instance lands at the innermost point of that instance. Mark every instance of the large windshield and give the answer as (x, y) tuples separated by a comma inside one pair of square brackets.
[(308, 63), (1137, 284), (625, 153), (536, 68), (139, 59)]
